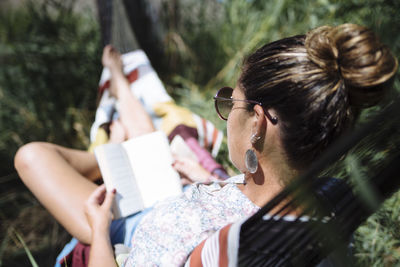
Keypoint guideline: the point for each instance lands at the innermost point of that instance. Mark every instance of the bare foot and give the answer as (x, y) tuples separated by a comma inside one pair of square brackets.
[(111, 59)]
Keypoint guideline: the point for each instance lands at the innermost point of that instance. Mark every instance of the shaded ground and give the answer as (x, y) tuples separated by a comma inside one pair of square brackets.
[(20, 213)]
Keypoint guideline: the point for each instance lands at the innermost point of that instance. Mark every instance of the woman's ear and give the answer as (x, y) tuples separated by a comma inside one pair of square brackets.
[(259, 127)]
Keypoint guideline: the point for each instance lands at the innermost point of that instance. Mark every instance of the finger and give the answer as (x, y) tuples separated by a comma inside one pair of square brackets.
[(109, 199), (187, 160), (181, 168), (98, 195), (177, 164)]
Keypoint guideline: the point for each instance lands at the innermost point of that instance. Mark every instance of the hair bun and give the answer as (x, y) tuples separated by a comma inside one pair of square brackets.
[(321, 50), (355, 54)]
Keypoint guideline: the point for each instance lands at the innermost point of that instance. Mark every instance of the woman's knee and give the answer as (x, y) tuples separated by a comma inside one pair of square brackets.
[(28, 155)]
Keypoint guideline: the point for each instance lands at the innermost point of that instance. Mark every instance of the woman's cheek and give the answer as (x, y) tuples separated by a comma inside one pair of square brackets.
[(233, 135)]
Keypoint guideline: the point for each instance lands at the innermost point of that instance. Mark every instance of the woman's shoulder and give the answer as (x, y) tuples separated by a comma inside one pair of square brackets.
[(214, 188), (237, 179), (224, 194)]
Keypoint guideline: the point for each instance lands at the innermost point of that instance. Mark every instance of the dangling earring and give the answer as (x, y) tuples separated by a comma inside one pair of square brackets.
[(251, 161), (254, 138)]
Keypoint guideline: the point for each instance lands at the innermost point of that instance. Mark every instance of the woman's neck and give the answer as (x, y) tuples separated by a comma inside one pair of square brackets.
[(266, 183)]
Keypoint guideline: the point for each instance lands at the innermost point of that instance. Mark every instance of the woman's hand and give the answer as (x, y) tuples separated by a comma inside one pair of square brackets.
[(98, 210), (99, 216), (190, 170)]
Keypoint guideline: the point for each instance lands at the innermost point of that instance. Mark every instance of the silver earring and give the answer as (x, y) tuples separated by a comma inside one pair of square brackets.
[(254, 138), (251, 161)]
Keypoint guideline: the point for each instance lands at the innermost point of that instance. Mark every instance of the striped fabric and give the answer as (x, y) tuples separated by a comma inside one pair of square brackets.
[(148, 88), (221, 249), (145, 85), (209, 136)]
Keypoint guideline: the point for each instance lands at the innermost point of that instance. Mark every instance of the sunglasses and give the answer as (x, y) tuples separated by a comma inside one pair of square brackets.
[(224, 102)]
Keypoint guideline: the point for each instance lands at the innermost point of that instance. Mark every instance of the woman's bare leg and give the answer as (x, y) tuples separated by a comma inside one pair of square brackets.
[(133, 116), (62, 180)]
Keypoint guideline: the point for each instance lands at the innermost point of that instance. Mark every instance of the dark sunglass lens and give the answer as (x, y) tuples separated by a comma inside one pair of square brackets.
[(225, 92), (224, 102), (224, 107)]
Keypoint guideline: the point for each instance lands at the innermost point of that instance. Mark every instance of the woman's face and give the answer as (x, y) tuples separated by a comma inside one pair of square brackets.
[(238, 130)]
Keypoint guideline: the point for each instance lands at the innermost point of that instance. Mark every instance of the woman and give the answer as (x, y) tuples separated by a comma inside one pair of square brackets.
[(134, 118), (294, 97)]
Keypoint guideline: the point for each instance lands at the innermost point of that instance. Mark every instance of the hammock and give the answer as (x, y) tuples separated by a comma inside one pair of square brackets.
[(128, 25)]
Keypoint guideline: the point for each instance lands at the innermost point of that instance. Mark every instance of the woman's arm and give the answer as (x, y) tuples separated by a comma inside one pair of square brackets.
[(191, 171), (98, 213)]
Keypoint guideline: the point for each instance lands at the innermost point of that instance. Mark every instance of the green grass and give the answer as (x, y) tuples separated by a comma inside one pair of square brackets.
[(27, 251), (51, 65)]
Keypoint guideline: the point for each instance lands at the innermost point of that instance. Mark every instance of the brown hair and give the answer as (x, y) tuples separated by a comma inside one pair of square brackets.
[(317, 84)]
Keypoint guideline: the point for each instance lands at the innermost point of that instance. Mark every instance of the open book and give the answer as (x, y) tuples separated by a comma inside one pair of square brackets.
[(141, 171)]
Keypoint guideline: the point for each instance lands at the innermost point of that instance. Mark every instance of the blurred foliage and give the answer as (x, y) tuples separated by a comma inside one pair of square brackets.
[(50, 66), (377, 242), (208, 40), (213, 39), (49, 70)]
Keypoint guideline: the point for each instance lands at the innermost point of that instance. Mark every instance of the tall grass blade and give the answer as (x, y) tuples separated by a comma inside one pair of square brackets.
[(27, 251)]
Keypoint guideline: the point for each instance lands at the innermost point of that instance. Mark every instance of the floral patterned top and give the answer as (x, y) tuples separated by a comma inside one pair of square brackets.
[(168, 234)]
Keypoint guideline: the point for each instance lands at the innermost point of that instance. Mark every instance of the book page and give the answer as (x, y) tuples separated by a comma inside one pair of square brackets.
[(117, 173), (151, 161)]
